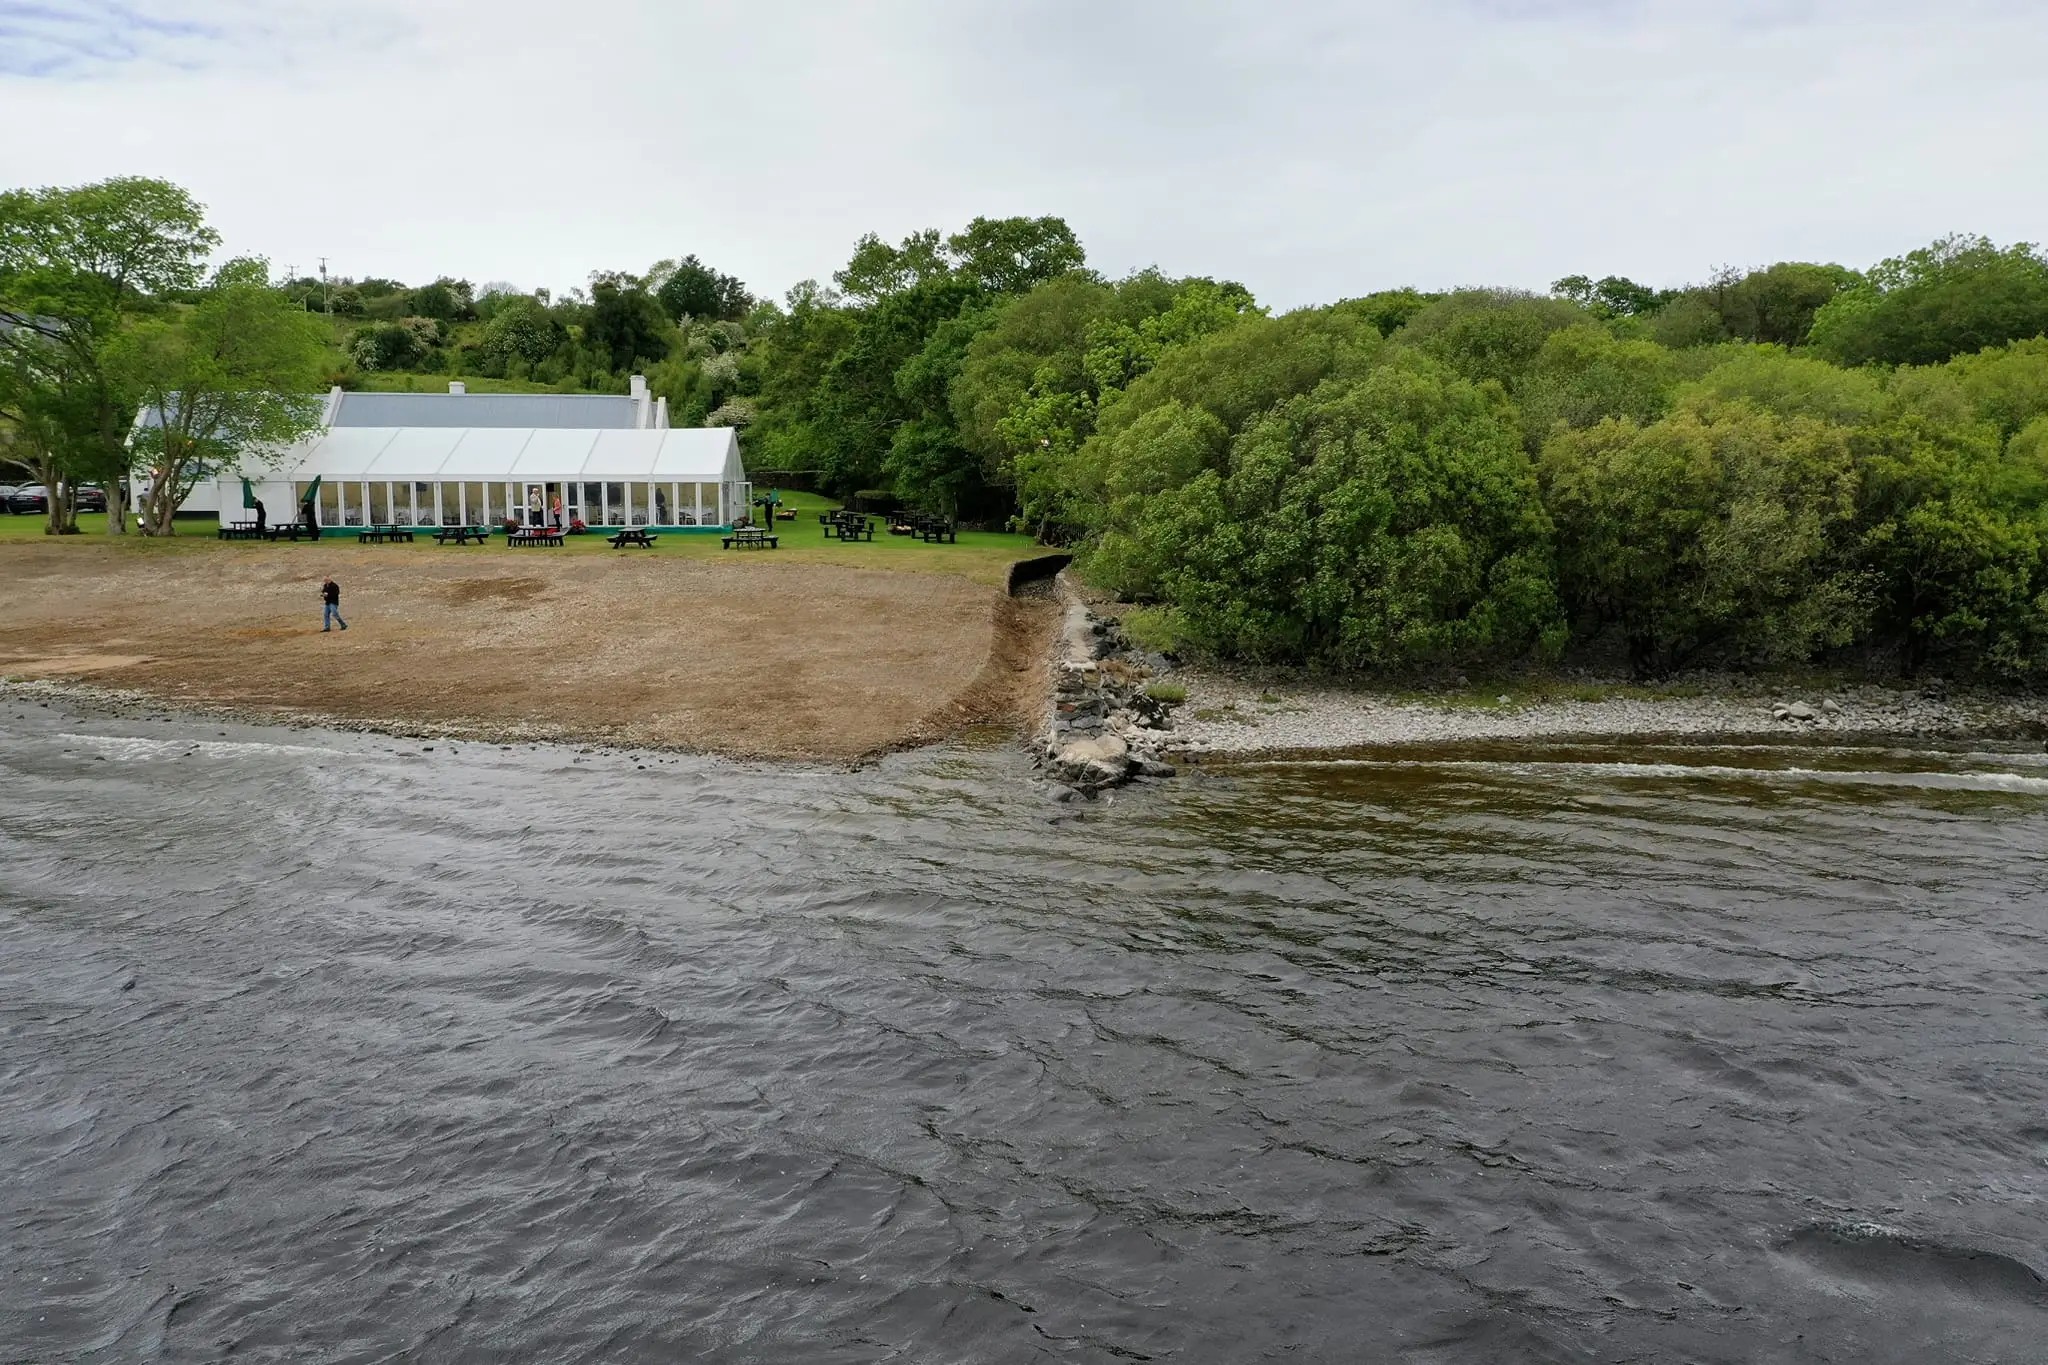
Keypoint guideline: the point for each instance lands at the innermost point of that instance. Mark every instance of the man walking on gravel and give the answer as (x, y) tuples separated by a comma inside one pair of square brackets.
[(330, 601)]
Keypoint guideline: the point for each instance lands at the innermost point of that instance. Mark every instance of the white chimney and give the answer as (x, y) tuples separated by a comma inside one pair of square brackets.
[(661, 413), (457, 386), (639, 389)]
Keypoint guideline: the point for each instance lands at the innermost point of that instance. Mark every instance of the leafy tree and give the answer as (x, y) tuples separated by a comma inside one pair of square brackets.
[(1709, 530), (1383, 521), (1957, 296), (1011, 255), (233, 381), (691, 289), (1121, 351), (1241, 371), (1583, 375), (1790, 386), (2006, 385), (521, 329), (626, 324), (1390, 309), (878, 270), (860, 404), (445, 300), (1955, 538), (1489, 333), (1614, 296), (76, 264), (402, 345)]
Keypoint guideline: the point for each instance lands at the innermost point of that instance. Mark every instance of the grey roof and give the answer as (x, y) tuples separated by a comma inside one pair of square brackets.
[(573, 411)]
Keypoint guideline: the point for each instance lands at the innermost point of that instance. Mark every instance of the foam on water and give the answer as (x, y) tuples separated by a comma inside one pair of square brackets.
[(134, 748), (1961, 780)]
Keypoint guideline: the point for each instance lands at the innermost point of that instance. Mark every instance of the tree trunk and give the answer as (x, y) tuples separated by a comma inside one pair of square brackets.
[(58, 517), (160, 506), (117, 507)]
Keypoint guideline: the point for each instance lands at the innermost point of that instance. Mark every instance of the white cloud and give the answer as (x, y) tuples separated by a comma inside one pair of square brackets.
[(1313, 149)]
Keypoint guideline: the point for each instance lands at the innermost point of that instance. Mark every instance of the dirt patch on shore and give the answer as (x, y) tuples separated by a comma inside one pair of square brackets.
[(750, 659)]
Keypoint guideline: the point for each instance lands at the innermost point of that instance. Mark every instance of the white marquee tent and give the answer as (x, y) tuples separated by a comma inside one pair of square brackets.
[(444, 476)]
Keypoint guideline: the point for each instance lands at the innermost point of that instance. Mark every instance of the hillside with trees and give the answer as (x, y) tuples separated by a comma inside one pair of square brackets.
[(1798, 463)]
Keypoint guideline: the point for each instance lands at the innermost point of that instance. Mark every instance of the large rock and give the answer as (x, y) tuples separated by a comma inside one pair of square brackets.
[(1799, 710), (1098, 761)]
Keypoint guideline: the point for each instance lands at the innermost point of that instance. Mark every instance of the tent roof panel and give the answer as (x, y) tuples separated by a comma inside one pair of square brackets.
[(485, 454), (554, 455), (698, 455)]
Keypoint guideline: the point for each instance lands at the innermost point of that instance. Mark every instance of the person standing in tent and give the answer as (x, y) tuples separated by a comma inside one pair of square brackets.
[(556, 509), (330, 605)]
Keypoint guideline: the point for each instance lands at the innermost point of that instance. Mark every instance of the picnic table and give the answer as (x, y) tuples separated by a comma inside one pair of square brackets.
[(533, 535), (378, 535), (751, 538), (292, 531), (847, 526), (462, 535), (631, 535), (240, 530), (922, 526)]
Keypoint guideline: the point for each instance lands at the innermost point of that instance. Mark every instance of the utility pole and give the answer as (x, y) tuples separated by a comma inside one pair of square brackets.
[(326, 299)]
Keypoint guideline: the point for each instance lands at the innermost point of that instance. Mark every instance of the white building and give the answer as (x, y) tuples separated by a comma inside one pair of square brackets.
[(438, 459)]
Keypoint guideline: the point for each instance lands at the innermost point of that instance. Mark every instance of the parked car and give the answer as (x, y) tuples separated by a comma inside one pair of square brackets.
[(7, 490), (34, 499)]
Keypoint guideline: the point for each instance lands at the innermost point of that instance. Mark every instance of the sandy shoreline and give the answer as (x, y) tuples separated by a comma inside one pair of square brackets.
[(1227, 714)]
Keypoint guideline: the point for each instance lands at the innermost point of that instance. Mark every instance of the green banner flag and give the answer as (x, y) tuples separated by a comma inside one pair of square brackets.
[(312, 491), (248, 494)]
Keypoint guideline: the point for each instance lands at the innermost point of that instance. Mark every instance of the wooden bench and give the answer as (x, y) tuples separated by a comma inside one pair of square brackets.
[(632, 535), (462, 535), (536, 536), (751, 538)]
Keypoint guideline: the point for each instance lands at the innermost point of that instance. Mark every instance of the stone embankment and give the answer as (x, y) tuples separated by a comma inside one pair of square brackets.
[(1103, 730)]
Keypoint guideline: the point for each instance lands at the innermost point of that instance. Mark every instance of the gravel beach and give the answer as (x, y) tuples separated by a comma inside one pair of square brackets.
[(1237, 714)]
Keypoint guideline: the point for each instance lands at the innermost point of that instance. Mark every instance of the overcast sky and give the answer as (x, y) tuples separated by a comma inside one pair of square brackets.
[(1313, 149)]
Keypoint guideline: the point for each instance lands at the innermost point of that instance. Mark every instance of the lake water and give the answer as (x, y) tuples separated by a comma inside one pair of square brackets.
[(324, 1047)]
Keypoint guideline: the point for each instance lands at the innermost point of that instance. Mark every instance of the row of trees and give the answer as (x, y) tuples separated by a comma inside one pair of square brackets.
[(106, 309), (1765, 468)]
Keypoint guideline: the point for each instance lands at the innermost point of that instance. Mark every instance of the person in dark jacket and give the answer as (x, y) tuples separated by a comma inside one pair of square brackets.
[(330, 600), (262, 516)]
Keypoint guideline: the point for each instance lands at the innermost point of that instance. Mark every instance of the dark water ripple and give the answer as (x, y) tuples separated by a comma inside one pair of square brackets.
[(321, 1048)]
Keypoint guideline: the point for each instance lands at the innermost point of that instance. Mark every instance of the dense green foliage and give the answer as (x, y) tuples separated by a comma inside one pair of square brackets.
[(1771, 467)]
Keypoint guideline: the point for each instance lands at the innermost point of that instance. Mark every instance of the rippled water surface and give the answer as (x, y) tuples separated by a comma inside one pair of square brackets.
[(316, 1047)]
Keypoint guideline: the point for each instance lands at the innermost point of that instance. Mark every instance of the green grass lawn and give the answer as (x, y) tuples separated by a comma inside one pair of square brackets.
[(984, 556)]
